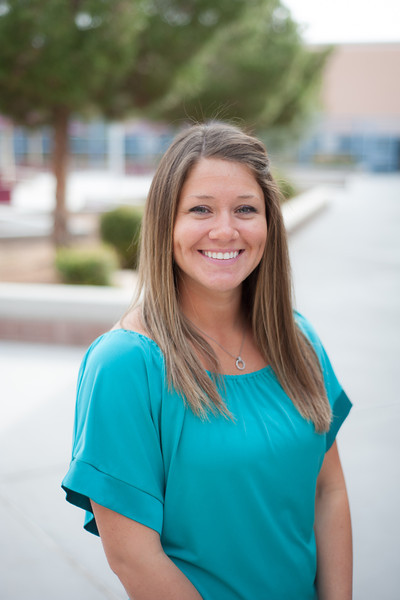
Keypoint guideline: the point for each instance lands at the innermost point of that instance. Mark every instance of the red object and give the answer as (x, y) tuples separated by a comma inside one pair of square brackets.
[(5, 194)]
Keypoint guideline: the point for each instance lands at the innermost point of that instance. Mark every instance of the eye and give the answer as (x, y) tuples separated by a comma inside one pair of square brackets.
[(199, 210), (246, 209)]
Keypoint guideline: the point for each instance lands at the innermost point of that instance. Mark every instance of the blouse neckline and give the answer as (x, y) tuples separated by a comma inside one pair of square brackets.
[(239, 376)]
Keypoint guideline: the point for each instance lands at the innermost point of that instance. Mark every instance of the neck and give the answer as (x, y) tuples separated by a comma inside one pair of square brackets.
[(220, 312), (220, 319)]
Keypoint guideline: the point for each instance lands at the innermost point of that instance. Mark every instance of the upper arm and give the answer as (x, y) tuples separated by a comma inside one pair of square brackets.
[(331, 476), (125, 540)]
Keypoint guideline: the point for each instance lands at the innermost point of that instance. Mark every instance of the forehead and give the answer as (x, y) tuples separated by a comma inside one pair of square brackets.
[(215, 172)]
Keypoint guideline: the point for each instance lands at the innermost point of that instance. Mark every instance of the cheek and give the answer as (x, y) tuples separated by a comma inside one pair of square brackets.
[(178, 239), (187, 237), (263, 232), (181, 243), (258, 235), (175, 237)]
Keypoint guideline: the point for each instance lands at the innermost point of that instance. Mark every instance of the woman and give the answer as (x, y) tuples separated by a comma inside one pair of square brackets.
[(204, 449)]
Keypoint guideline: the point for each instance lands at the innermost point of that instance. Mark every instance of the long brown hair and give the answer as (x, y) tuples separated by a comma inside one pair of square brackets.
[(266, 292)]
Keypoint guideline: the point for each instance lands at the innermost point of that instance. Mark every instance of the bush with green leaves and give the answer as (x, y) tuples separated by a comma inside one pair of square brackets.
[(86, 266), (120, 228)]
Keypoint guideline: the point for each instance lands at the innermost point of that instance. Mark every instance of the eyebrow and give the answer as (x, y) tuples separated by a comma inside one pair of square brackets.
[(208, 197)]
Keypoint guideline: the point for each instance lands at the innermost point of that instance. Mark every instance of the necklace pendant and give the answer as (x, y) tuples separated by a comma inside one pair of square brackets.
[(240, 364)]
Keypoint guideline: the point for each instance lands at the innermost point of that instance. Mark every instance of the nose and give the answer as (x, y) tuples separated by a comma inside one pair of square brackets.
[(223, 229)]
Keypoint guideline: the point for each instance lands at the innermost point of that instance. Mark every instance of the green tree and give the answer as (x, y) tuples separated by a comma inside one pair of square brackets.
[(164, 58), (55, 58), (256, 69)]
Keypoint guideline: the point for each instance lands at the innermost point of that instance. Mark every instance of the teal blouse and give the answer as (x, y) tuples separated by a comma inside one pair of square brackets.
[(233, 502)]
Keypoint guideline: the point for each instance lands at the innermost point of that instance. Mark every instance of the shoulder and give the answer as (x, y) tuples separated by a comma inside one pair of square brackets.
[(121, 374), (313, 338), (122, 352), (307, 329), (327, 370)]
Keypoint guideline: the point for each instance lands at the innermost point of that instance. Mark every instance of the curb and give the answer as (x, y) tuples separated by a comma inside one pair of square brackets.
[(53, 302), (302, 208)]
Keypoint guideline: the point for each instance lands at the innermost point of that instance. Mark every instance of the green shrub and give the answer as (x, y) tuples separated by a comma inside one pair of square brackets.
[(86, 266), (120, 228)]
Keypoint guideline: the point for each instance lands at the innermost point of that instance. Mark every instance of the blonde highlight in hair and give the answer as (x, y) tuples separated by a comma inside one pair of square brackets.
[(266, 292)]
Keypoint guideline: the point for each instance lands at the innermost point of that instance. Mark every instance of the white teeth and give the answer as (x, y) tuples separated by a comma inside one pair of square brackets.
[(221, 255)]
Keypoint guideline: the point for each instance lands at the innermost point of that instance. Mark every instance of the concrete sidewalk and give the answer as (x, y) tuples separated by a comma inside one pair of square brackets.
[(346, 266), (44, 552)]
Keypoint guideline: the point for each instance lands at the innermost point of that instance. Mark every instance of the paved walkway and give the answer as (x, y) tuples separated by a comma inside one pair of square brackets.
[(346, 266)]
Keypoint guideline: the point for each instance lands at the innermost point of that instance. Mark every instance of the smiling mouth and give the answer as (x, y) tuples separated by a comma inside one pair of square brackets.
[(221, 255)]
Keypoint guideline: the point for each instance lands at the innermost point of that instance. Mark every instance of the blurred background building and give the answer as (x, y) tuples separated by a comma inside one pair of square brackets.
[(359, 121), (93, 145)]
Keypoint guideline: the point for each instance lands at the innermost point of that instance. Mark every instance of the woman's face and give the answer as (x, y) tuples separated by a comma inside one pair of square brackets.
[(221, 228)]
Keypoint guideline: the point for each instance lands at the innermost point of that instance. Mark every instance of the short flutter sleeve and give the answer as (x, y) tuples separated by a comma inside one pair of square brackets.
[(117, 458), (340, 403)]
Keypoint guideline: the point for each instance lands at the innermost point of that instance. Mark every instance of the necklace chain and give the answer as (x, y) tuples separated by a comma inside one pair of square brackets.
[(239, 362)]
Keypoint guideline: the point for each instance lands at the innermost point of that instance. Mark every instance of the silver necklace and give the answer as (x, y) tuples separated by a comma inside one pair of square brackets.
[(239, 362)]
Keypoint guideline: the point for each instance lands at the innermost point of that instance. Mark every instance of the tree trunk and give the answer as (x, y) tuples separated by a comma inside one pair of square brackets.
[(60, 162)]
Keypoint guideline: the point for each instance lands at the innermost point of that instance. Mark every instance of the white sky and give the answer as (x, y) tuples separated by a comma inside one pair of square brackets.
[(347, 21)]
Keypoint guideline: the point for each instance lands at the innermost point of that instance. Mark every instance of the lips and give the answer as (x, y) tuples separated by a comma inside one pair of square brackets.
[(221, 255)]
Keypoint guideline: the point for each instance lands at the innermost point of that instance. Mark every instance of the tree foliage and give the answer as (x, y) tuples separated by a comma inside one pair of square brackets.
[(109, 56), (168, 59), (256, 69), (62, 53)]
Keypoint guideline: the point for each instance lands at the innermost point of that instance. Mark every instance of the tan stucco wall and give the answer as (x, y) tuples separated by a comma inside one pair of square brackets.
[(363, 80)]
